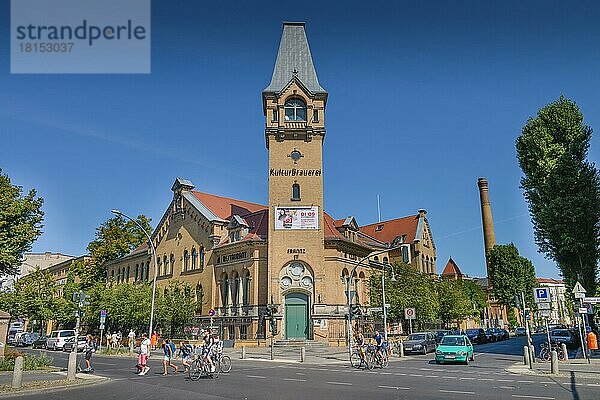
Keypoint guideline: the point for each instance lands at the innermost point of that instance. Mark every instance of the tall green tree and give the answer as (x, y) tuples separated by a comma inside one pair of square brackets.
[(455, 302), (563, 190), (510, 274), (20, 223), (176, 306), (114, 239)]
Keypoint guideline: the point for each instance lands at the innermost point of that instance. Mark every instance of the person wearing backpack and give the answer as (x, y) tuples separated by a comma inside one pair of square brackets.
[(169, 349), (90, 348)]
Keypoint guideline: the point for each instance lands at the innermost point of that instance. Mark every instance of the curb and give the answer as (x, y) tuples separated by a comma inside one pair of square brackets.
[(97, 380), (520, 369)]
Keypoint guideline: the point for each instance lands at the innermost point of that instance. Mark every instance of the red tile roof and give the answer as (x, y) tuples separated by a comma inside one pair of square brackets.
[(330, 227), (225, 208), (550, 280), (389, 230), (451, 269)]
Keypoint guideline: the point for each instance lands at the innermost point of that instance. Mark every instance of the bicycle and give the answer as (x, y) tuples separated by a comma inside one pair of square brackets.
[(377, 358), (358, 358), (545, 352), (223, 362), (200, 366)]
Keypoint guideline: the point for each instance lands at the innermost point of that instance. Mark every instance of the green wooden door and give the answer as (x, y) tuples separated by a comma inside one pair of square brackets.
[(296, 316)]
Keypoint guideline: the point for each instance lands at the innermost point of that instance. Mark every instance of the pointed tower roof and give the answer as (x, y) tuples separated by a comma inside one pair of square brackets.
[(294, 60), (452, 270)]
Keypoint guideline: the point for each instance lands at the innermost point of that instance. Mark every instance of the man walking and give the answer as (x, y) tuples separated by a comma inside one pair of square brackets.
[(143, 356), (131, 339), (169, 349)]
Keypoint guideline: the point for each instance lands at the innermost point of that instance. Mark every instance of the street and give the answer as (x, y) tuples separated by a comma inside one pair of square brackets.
[(409, 378)]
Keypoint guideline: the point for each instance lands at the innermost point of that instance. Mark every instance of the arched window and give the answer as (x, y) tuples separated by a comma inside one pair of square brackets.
[(235, 286), (385, 260), (201, 258), (246, 288), (119, 275), (123, 274), (194, 258), (172, 264), (137, 271), (295, 192), (147, 269), (224, 293), (165, 265), (112, 274), (376, 258), (186, 260), (159, 266), (295, 110), (127, 276)]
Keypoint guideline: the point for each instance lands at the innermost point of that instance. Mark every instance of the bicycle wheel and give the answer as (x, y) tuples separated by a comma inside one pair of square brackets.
[(195, 370), (545, 354), (370, 361), (385, 361), (225, 364), (355, 360), (561, 355)]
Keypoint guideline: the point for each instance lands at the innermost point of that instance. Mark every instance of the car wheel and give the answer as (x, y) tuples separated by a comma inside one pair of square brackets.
[(472, 356), (424, 350), (437, 362)]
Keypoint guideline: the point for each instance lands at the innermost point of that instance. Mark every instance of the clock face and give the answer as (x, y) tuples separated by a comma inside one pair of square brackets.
[(286, 282), (296, 269), (307, 281)]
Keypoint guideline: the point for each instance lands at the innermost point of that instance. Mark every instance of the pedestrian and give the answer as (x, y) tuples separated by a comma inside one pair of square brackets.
[(90, 348), (154, 340), (119, 339), (143, 356), (186, 352), (169, 349), (592, 342), (131, 339)]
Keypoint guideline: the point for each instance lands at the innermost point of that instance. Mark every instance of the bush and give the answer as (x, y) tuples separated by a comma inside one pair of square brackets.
[(30, 361)]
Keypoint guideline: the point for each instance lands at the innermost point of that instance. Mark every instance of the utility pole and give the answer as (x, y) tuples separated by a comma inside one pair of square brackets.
[(529, 342)]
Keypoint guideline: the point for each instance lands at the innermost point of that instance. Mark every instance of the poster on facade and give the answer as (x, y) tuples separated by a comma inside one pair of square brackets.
[(292, 218)]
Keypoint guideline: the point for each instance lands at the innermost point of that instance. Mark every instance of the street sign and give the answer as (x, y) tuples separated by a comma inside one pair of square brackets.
[(211, 313), (579, 291), (102, 319), (543, 306), (102, 313), (101, 327), (589, 309), (376, 309), (541, 294), (591, 300), (582, 310), (409, 313), (545, 313)]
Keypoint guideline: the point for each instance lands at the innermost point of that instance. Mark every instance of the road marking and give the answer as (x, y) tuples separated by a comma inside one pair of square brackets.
[(593, 384), (432, 376), (300, 373), (508, 387), (415, 375), (294, 379), (485, 379), (523, 396), (394, 387), (505, 380), (340, 383), (399, 374), (525, 382), (385, 373), (546, 382), (455, 391), (467, 379), (256, 376)]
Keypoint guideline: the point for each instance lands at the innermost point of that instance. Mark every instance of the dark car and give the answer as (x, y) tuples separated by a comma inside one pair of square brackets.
[(420, 342), (477, 335), (70, 342), (440, 334), (490, 334), (503, 334), (40, 343), (27, 339)]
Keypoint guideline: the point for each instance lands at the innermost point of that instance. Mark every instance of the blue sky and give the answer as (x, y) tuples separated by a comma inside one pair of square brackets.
[(424, 98)]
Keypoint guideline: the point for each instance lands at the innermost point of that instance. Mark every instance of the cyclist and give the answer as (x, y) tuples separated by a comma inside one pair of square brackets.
[(378, 341), (360, 343), (208, 342)]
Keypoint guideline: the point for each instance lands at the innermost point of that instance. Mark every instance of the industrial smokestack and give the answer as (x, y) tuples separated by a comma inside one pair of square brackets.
[(489, 237)]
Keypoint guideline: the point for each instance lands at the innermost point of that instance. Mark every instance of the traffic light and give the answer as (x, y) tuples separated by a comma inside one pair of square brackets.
[(355, 310), (268, 313), (273, 326)]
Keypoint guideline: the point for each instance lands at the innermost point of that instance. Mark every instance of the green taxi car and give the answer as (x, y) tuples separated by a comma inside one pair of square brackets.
[(454, 348)]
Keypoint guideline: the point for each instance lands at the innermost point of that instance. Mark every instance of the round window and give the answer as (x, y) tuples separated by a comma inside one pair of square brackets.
[(296, 269), (286, 282), (307, 281), (295, 155)]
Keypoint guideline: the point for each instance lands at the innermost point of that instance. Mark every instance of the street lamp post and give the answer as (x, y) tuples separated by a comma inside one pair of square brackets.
[(349, 278), (393, 279), (117, 212)]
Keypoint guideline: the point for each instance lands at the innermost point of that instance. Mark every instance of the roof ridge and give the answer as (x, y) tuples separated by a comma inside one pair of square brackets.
[(231, 198), (390, 220)]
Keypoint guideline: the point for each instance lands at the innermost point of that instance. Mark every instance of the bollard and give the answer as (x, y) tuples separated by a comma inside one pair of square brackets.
[(532, 355), (401, 353), (525, 355), (302, 354), (554, 362), (17, 379), (564, 350), (243, 352), (72, 366)]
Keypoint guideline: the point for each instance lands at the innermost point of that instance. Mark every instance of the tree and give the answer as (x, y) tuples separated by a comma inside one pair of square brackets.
[(20, 223), (563, 190), (175, 307), (115, 238), (510, 274), (455, 302)]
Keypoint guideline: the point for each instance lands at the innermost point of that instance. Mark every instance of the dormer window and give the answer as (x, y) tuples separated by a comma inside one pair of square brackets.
[(379, 228), (295, 110)]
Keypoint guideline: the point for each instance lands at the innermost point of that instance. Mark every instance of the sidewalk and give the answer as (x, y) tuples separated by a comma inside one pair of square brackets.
[(34, 381), (574, 369)]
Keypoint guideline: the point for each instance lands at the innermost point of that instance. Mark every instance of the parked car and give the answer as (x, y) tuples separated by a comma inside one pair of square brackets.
[(490, 335), (477, 335), (13, 336), (27, 339), (503, 334), (562, 336), (40, 343), (440, 334), (556, 326), (70, 342), (56, 340), (420, 342), (454, 348), (520, 331)]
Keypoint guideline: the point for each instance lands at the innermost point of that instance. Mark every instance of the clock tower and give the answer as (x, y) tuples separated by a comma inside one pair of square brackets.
[(294, 108)]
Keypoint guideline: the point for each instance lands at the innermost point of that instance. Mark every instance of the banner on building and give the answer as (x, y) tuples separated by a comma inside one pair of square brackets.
[(291, 218)]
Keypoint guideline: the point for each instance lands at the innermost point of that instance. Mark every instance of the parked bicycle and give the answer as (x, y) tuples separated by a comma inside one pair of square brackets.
[(545, 352)]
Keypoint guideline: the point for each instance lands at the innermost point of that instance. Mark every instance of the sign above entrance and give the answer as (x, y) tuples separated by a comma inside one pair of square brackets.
[(296, 218)]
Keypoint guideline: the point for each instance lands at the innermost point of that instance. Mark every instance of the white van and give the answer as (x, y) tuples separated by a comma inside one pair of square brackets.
[(56, 340)]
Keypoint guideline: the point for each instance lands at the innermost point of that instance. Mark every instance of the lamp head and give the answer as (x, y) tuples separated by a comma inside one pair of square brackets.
[(114, 211)]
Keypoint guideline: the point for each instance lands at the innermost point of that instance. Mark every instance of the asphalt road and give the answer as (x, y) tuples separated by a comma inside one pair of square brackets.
[(409, 378)]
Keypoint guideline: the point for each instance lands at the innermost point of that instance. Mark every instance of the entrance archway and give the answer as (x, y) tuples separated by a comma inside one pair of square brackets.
[(296, 316)]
